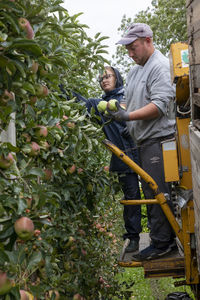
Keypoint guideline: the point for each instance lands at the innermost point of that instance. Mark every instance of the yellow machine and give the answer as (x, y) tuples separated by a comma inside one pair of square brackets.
[(177, 164)]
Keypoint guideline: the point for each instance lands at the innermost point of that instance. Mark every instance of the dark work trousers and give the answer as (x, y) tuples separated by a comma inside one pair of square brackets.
[(131, 213), (151, 161)]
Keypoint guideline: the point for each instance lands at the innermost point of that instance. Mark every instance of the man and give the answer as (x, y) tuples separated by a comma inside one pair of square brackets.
[(148, 97), (111, 83)]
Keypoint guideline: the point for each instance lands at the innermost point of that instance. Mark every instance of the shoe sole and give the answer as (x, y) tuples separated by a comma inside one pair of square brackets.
[(169, 250)]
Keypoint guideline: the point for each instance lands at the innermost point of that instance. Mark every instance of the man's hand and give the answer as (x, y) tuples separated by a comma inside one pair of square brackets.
[(120, 115)]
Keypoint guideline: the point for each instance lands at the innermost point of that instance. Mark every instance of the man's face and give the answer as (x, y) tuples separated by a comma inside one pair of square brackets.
[(138, 51)]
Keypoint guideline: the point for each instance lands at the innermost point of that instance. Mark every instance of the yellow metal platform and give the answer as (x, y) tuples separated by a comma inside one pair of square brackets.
[(169, 265)]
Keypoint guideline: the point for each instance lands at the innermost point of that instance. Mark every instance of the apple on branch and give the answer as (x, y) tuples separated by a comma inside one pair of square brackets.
[(5, 283), (26, 26), (41, 131), (6, 97), (23, 295), (24, 228), (6, 161)]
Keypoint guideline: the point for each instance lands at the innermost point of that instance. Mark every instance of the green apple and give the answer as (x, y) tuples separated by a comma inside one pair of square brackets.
[(5, 284), (56, 294), (102, 106), (112, 105)]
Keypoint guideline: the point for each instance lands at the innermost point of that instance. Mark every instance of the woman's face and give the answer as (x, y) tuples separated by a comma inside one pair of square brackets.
[(108, 81)]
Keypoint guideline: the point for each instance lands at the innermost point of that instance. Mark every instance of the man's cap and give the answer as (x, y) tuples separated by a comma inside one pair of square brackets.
[(135, 31)]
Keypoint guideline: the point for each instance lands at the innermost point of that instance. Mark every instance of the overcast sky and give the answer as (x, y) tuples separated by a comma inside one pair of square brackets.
[(105, 16)]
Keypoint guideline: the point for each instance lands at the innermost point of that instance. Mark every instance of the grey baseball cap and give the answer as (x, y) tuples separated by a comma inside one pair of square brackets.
[(135, 31)]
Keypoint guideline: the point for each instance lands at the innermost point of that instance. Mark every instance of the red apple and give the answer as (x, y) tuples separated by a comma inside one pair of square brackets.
[(41, 131), (33, 100), (72, 169), (24, 228), (43, 71), (48, 174), (77, 297), (23, 295), (83, 252), (98, 226), (37, 232), (41, 90), (82, 232), (71, 125), (26, 26), (6, 97), (58, 125), (106, 168), (30, 296), (35, 149), (34, 67), (56, 293), (26, 136), (45, 90), (5, 283), (80, 170), (6, 162)]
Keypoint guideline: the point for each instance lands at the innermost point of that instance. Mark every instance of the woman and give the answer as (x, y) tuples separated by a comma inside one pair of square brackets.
[(111, 83)]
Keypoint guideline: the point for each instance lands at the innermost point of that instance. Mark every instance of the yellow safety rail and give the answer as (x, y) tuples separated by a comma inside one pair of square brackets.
[(159, 197)]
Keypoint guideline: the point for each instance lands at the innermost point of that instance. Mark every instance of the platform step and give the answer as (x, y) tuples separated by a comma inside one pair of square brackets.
[(170, 265)]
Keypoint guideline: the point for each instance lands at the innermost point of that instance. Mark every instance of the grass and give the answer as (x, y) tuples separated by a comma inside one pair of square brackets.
[(140, 288)]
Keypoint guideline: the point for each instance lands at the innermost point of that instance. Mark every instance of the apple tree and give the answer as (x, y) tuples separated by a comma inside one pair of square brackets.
[(57, 214)]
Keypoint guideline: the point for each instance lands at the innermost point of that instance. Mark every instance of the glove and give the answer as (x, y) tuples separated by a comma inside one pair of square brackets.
[(119, 115), (125, 133)]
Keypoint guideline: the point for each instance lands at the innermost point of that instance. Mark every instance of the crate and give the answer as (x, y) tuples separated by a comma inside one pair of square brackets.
[(179, 70), (179, 61), (193, 25), (195, 162)]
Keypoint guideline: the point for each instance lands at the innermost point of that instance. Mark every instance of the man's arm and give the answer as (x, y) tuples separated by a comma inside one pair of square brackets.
[(148, 112)]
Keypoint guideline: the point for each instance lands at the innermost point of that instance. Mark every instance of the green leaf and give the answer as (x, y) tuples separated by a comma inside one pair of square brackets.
[(7, 232), (3, 220), (36, 172), (20, 66), (34, 260), (97, 35), (3, 61), (21, 206), (10, 6), (26, 45), (3, 257), (12, 20), (28, 87)]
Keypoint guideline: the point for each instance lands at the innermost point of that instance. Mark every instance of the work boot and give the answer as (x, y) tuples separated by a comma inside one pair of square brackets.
[(132, 246), (151, 252)]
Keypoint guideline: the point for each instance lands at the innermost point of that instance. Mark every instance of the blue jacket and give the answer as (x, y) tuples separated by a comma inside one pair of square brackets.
[(114, 131)]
